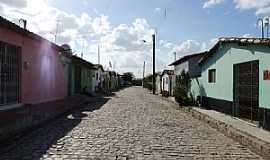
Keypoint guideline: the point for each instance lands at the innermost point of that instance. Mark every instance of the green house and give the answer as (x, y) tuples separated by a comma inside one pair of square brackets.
[(81, 76), (235, 78)]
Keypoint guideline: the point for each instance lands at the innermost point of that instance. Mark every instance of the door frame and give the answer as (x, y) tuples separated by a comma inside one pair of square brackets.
[(235, 107)]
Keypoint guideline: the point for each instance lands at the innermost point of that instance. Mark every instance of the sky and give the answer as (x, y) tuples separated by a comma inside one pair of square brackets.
[(120, 27)]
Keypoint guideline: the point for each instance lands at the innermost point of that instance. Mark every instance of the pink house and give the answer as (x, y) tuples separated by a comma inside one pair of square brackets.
[(31, 67)]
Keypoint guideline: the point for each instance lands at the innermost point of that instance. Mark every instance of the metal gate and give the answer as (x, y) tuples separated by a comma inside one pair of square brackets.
[(9, 74), (246, 90)]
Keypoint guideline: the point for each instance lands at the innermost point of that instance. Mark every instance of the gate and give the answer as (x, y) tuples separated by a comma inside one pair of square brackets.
[(9, 74), (246, 90)]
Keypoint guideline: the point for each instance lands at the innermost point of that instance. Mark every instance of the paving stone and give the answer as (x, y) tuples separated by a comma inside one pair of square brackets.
[(131, 125)]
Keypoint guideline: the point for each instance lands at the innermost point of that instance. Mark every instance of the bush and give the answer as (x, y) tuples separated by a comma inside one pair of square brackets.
[(182, 88), (165, 93), (148, 85)]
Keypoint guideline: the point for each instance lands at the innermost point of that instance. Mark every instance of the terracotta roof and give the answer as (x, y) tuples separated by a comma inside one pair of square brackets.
[(241, 41), (14, 27), (186, 58)]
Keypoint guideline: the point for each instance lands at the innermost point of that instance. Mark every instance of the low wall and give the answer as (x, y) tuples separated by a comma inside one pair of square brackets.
[(16, 121)]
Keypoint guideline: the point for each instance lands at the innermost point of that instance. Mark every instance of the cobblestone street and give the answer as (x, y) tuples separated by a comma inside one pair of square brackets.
[(132, 124)]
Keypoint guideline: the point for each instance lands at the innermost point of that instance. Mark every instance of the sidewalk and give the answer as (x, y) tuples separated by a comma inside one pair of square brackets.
[(15, 122), (247, 134), (256, 139)]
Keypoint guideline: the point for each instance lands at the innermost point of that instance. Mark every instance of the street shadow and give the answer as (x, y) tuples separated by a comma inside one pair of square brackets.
[(37, 142)]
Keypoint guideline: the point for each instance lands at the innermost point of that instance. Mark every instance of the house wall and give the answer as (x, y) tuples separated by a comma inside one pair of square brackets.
[(196, 88), (45, 78), (193, 67), (165, 85), (98, 77), (86, 80), (223, 61), (180, 67)]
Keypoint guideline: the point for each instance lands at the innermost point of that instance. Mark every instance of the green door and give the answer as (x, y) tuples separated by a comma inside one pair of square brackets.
[(246, 90)]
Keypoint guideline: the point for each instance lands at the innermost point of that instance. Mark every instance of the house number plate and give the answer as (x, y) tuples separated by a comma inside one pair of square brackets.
[(266, 75)]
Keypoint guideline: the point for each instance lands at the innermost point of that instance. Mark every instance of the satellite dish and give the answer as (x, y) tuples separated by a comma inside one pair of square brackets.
[(67, 49)]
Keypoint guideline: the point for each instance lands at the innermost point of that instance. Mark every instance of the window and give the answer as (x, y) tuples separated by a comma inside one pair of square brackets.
[(167, 80), (9, 73), (212, 76)]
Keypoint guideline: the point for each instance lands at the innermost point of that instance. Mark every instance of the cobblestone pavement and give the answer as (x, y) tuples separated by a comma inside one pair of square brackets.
[(133, 124)]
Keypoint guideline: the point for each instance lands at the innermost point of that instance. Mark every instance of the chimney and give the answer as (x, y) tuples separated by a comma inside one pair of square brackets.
[(24, 23)]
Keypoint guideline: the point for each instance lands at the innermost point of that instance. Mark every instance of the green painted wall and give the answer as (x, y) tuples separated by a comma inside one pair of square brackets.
[(223, 61), (72, 85), (195, 88), (86, 79)]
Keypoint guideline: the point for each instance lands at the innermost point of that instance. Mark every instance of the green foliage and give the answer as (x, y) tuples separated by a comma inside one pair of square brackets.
[(147, 82), (182, 89), (128, 76)]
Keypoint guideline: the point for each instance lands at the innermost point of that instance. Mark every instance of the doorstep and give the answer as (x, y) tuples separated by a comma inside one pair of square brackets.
[(247, 134)]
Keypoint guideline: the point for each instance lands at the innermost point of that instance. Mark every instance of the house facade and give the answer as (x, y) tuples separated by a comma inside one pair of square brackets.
[(167, 79), (98, 77), (31, 67), (190, 64), (236, 78), (82, 76)]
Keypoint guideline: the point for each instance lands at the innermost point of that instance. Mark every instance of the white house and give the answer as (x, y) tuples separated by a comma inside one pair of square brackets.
[(190, 64), (98, 77), (167, 77)]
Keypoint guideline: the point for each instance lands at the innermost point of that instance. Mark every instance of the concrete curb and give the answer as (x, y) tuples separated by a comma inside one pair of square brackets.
[(253, 143)]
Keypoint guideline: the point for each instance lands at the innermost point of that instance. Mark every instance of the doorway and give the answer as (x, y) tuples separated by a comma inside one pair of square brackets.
[(246, 90)]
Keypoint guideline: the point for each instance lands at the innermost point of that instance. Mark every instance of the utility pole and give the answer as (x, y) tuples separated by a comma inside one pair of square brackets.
[(143, 72), (98, 55), (56, 32), (154, 63)]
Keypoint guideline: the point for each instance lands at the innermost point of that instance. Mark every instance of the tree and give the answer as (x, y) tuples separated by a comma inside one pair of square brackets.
[(182, 89), (128, 76), (147, 82)]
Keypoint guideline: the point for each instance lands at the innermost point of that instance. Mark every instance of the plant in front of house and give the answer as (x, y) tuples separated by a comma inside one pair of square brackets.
[(182, 88)]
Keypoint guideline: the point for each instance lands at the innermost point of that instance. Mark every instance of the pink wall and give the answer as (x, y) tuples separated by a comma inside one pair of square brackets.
[(45, 79)]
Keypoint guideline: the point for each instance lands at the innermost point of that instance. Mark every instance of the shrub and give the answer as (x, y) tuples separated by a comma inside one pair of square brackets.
[(182, 88), (148, 85), (165, 93)]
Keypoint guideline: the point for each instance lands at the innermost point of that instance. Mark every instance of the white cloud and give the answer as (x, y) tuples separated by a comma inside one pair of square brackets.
[(165, 44), (15, 3), (122, 45), (247, 35), (211, 3), (190, 47), (157, 9), (261, 6)]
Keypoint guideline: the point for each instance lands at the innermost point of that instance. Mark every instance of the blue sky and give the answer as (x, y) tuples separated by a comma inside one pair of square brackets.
[(118, 26), (186, 19)]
